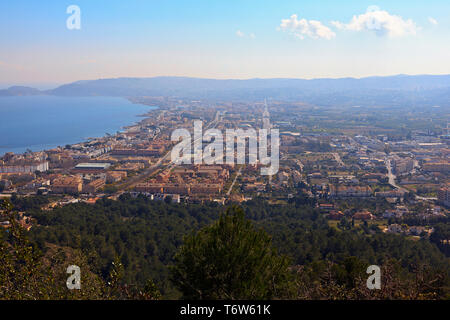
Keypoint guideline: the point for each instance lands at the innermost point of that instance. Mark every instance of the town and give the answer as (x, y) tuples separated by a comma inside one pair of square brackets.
[(351, 168)]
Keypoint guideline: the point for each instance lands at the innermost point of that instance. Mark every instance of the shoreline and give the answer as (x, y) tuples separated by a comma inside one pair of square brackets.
[(45, 147)]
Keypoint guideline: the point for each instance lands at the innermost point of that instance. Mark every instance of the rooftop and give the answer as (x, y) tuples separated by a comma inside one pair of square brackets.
[(93, 165)]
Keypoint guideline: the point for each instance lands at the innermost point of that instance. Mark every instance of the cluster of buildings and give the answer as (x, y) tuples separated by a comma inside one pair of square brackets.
[(194, 180), (409, 230), (86, 167), (26, 163), (348, 164), (363, 215), (402, 165)]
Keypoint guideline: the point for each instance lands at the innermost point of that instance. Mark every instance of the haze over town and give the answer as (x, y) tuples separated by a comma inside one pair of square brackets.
[(136, 139)]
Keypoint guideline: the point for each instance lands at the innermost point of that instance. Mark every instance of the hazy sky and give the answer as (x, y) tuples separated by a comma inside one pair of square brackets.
[(222, 39)]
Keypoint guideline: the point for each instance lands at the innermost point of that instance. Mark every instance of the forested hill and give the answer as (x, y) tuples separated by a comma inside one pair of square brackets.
[(146, 234)]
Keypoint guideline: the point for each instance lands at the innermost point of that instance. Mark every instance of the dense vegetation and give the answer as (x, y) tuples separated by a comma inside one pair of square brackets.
[(143, 236), (230, 260)]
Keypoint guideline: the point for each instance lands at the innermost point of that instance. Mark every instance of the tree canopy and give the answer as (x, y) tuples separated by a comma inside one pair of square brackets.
[(230, 259)]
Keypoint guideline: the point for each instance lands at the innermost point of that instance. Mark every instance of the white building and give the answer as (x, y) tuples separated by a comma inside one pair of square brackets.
[(25, 168)]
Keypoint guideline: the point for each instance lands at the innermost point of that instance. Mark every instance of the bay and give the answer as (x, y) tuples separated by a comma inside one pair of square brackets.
[(45, 122)]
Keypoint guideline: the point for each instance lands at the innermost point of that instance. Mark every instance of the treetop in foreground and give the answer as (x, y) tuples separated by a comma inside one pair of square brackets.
[(230, 259)]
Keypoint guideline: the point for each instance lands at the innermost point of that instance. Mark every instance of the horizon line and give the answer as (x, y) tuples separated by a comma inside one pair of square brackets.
[(30, 84)]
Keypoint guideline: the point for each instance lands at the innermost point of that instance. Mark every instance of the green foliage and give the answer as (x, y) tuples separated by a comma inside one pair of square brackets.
[(115, 276), (346, 280), (151, 291), (27, 203), (110, 189), (230, 260), (441, 237), (26, 274), (145, 235)]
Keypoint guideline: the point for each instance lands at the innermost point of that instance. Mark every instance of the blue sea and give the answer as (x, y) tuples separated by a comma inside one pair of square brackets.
[(45, 122)]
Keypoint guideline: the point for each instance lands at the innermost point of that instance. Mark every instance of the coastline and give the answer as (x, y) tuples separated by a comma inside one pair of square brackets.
[(43, 146)]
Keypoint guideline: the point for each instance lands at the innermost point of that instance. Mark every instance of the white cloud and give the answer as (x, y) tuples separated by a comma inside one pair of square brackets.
[(306, 28), (241, 34), (381, 22), (433, 21)]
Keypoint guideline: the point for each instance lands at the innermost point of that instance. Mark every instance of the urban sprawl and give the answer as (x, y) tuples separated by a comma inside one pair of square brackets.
[(351, 169)]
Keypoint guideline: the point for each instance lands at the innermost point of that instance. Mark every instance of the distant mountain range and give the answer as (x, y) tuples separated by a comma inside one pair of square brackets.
[(394, 90), (20, 91)]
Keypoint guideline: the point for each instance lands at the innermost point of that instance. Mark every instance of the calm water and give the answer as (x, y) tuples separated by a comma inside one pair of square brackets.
[(45, 122)]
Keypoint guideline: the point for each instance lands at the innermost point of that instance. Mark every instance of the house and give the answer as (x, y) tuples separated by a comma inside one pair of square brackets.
[(67, 184), (93, 186), (363, 215), (350, 191), (335, 215), (114, 176)]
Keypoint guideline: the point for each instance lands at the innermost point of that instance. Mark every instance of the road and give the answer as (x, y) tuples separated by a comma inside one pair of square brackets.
[(132, 182), (234, 181), (392, 182), (338, 159), (392, 177)]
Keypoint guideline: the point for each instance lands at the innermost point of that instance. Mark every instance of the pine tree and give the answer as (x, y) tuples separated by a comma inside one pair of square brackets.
[(230, 260)]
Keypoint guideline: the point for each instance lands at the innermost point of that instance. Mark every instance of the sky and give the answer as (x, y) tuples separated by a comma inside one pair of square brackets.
[(223, 39)]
